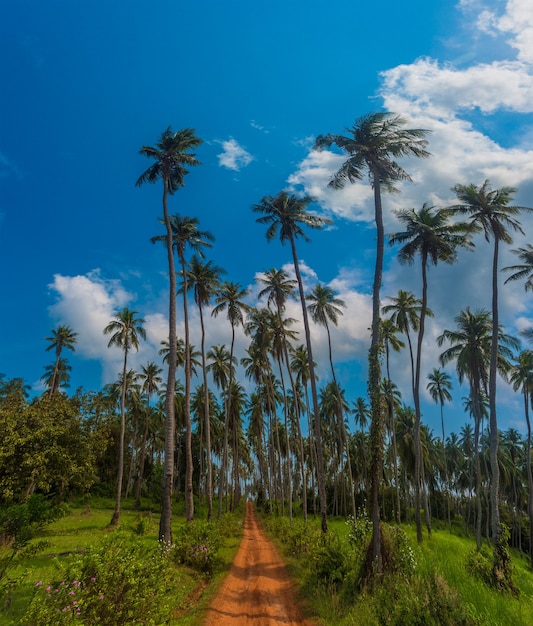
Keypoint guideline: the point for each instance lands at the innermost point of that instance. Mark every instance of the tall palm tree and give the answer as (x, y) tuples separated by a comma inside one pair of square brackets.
[(186, 234), (523, 270), (172, 155), (62, 337), (150, 375), (439, 386), (56, 375), (429, 235), (521, 378), (489, 211), (285, 215), (125, 331), (470, 348), (324, 307), (230, 298), (373, 144), (204, 280)]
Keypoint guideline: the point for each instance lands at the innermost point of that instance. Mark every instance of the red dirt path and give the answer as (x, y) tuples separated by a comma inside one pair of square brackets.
[(257, 590)]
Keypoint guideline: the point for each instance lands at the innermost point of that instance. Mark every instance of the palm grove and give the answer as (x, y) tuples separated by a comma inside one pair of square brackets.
[(188, 429)]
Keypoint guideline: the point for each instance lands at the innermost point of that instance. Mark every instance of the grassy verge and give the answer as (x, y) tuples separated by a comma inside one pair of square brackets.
[(190, 584), (435, 587)]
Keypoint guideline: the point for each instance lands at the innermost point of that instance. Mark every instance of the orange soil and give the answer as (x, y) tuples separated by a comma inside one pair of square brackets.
[(258, 589)]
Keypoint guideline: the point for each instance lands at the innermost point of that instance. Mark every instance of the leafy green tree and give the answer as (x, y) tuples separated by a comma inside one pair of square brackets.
[(62, 337), (172, 155), (125, 331), (430, 235), (373, 143), (285, 214), (489, 211)]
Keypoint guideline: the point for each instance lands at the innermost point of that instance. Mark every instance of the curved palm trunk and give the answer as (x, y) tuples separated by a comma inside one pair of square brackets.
[(287, 441), (209, 486), (222, 481), (495, 470), (138, 485), (55, 377), (116, 513), (392, 420), (321, 479), (374, 375), (477, 417), (529, 475), (165, 527)]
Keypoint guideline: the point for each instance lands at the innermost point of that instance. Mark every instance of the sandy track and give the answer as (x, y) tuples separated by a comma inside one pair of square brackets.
[(257, 590)]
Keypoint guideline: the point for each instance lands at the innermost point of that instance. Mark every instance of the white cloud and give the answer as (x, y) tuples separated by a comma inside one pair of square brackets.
[(234, 156)]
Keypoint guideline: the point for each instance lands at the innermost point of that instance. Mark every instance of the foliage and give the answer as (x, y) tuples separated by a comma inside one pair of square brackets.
[(196, 544), (119, 581)]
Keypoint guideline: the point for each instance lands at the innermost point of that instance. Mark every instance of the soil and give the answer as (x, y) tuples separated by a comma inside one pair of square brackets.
[(258, 589)]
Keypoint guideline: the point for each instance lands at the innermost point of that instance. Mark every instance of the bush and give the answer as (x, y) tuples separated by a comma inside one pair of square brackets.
[(196, 544), (120, 581)]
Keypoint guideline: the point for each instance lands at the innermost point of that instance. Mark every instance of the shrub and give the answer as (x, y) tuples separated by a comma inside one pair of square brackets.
[(120, 581), (196, 544)]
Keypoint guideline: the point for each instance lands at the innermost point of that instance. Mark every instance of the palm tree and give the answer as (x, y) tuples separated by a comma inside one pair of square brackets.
[(56, 375), (427, 234), (125, 331), (325, 307), (521, 378), (230, 298), (186, 234), (285, 215), (373, 143), (204, 280), (439, 386), (150, 375), (489, 211), (172, 155), (525, 269), (62, 337), (471, 350)]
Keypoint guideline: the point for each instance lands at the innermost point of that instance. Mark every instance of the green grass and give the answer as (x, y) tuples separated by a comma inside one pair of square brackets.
[(85, 526), (442, 556)]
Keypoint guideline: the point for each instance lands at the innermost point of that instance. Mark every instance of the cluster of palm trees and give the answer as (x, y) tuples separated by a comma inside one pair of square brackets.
[(340, 466)]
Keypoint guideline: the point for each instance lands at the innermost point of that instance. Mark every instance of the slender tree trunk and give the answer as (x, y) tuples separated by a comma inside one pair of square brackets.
[(529, 477), (495, 470), (165, 524), (377, 429), (209, 486), (318, 434), (138, 485), (116, 513)]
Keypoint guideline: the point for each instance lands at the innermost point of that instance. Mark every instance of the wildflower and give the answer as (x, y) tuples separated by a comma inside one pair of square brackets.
[(39, 583), (101, 597), (48, 588)]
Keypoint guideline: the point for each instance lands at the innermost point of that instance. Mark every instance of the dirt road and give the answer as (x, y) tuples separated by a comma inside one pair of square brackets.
[(257, 590)]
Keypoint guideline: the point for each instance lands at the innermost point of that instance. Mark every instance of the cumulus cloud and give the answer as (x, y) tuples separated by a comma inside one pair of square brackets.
[(234, 156)]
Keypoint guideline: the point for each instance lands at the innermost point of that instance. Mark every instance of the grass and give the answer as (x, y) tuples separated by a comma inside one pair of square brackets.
[(442, 557), (86, 525)]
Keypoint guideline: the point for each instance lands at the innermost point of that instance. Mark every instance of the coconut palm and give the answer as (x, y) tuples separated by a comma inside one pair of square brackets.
[(324, 307), (172, 155), (489, 211), (56, 375), (471, 350), (373, 144), (125, 331), (230, 298), (150, 375), (439, 386), (285, 215), (521, 378), (429, 235), (62, 337), (525, 269), (204, 280)]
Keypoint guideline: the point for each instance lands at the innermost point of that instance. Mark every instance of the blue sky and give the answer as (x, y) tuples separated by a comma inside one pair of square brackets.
[(85, 84)]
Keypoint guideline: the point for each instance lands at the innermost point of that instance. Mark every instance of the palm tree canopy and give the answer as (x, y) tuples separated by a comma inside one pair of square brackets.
[(286, 214), (62, 337), (525, 269), (203, 278), (125, 330), (488, 210), (186, 233), (230, 298), (324, 306), (405, 310), (439, 386), (429, 233), (389, 335), (374, 142), (172, 157), (278, 287)]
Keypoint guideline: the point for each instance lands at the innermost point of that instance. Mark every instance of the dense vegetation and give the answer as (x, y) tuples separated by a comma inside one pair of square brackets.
[(282, 436)]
